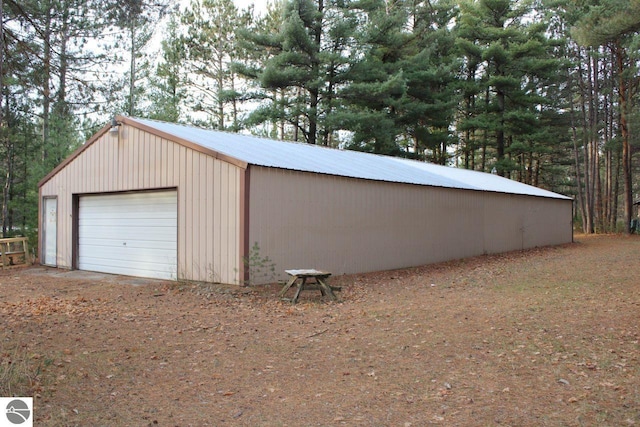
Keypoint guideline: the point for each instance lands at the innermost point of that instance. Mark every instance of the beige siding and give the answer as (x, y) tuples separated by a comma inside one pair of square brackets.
[(209, 195), (302, 220)]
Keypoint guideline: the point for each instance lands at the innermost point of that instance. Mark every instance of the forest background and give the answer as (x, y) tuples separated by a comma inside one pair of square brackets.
[(541, 91)]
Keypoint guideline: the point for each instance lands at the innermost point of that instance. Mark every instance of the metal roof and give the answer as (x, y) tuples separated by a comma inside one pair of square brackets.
[(354, 164)]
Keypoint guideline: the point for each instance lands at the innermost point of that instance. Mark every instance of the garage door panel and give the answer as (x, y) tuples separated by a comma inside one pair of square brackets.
[(149, 244), (126, 233), (133, 216), (123, 266), (133, 234), (114, 252), (152, 271)]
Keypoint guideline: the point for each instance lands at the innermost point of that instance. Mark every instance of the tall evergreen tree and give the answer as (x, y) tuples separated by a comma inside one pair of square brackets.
[(137, 20), (298, 64), (430, 68), (304, 67), (377, 82), (259, 43), (167, 91), (211, 49), (513, 58)]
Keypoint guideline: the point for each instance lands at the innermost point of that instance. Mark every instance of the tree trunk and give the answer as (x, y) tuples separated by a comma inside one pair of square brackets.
[(500, 132), (588, 212), (46, 83), (132, 67), (1, 65), (220, 79), (624, 133)]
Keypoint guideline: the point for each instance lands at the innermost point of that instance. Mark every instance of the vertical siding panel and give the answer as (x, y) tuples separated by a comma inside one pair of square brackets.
[(78, 172), (226, 219), (203, 234), (125, 149), (143, 167), (193, 183), (132, 180), (167, 164), (117, 164), (84, 179), (172, 164), (120, 163), (224, 216), (123, 166), (64, 220), (153, 162), (135, 159), (58, 188), (92, 171), (158, 154), (236, 221), (173, 159), (209, 215), (138, 159), (95, 180), (114, 154), (218, 226), (107, 159), (101, 166), (86, 165), (98, 170), (146, 167), (62, 245), (185, 184), (161, 159), (157, 149), (131, 159), (180, 159)]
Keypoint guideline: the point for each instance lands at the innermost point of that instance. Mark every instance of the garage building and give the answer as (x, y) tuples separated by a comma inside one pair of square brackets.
[(154, 199)]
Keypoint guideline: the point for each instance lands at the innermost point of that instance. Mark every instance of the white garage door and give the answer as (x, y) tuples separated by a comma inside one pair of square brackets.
[(134, 234)]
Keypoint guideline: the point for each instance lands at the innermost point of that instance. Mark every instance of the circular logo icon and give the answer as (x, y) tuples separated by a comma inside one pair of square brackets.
[(18, 411)]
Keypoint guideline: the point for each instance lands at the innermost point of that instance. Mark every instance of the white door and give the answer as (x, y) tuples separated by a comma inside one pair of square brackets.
[(133, 234), (50, 225)]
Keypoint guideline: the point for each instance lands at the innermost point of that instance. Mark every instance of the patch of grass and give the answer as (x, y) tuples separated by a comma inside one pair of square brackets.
[(18, 375)]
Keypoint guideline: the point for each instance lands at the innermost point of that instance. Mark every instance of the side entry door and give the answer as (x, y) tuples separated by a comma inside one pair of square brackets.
[(50, 236)]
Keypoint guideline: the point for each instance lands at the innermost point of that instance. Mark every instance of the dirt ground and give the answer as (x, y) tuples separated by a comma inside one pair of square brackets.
[(546, 337)]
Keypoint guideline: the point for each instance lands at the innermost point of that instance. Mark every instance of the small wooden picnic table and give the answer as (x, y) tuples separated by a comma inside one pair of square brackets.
[(301, 277)]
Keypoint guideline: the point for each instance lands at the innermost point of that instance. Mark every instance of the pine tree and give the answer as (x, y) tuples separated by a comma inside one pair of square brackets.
[(167, 91), (377, 83), (210, 45), (509, 60), (430, 68), (304, 66), (137, 20)]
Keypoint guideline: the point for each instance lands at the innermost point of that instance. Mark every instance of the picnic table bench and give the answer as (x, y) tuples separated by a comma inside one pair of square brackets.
[(301, 276)]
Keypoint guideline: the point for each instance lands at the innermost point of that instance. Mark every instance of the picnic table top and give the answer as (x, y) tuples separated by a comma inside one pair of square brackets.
[(307, 272)]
